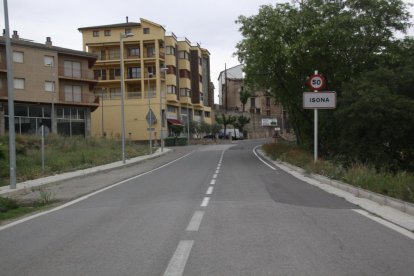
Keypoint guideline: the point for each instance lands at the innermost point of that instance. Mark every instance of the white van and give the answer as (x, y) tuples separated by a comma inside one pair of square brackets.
[(234, 133)]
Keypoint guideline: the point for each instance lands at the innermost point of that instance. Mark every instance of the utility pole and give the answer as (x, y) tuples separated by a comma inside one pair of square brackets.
[(10, 99), (225, 85)]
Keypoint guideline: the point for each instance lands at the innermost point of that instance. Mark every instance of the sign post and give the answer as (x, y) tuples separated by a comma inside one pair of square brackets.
[(317, 82)]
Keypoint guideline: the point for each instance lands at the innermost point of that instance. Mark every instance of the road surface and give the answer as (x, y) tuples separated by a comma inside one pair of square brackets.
[(215, 211)]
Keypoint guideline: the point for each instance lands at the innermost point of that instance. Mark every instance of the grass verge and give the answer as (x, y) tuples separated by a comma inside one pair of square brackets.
[(397, 185), (12, 209), (62, 154)]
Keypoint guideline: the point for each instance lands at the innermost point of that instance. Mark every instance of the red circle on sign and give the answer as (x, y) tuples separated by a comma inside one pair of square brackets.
[(316, 82)]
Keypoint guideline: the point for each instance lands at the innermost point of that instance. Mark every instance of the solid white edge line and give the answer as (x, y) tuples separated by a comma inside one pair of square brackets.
[(195, 221), (205, 202), (213, 181), (179, 259), (87, 196), (264, 162), (388, 224), (210, 190)]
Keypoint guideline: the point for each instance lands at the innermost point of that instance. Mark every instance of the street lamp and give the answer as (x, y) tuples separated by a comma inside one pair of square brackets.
[(52, 98), (121, 45), (149, 114), (161, 115), (188, 125)]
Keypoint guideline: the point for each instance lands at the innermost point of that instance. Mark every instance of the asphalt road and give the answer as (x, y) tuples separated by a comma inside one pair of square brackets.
[(215, 211)]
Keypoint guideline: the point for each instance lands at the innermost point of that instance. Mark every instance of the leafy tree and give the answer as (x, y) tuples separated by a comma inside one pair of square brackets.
[(205, 128), (195, 128), (283, 44), (241, 122), (245, 94), (176, 130), (215, 129), (225, 120)]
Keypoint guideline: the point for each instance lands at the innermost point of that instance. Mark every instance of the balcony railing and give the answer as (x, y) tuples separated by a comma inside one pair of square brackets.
[(134, 95), (75, 73)]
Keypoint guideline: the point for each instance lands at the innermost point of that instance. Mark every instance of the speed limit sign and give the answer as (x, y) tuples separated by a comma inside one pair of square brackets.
[(316, 82)]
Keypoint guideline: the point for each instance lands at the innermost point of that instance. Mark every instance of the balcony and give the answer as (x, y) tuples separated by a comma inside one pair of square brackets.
[(172, 97), (73, 74)]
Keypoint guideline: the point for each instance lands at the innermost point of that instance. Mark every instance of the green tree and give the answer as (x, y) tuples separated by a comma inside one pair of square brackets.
[(283, 44), (205, 128), (195, 128), (225, 120), (241, 122), (245, 94)]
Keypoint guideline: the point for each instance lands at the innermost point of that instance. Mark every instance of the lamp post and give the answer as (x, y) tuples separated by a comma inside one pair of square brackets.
[(149, 114), (52, 99), (10, 100), (121, 45), (188, 125), (161, 115)]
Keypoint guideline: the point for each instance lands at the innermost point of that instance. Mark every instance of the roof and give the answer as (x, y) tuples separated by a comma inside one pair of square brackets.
[(126, 24), (60, 50)]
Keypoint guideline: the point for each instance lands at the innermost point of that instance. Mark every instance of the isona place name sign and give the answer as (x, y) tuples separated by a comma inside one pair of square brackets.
[(319, 100)]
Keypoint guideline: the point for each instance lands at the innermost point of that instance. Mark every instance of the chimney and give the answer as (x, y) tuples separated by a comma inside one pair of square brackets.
[(48, 41), (127, 19), (15, 35)]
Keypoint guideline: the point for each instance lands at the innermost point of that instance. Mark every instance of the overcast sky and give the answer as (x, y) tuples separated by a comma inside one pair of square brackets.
[(211, 23)]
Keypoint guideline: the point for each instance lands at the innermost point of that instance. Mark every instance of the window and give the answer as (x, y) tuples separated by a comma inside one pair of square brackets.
[(184, 92), (72, 69), (150, 51), (100, 53), (146, 30), (49, 86), (18, 83), (114, 53), (184, 73), (183, 55), (114, 73), (133, 52), (115, 93), (252, 102), (95, 33), (18, 57), (171, 89), (267, 112), (267, 101), (207, 114), (171, 108), (151, 70), (48, 61), (99, 74), (107, 32), (73, 93), (134, 73), (171, 70), (128, 31), (170, 50)]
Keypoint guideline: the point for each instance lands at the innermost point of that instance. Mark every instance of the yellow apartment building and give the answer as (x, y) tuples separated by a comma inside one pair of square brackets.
[(53, 86), (166, 79)]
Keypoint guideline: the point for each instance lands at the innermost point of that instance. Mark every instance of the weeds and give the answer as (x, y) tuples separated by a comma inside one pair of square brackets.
[(398, 185), (62, 154)]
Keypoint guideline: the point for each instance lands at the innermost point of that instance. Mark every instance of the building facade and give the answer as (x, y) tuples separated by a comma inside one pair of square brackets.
[(53, 86), (267, 117), (165, 79)]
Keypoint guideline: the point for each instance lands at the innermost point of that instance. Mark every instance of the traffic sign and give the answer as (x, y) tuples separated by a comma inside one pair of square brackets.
[(151, 119), (319, 100), (316, 82)]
